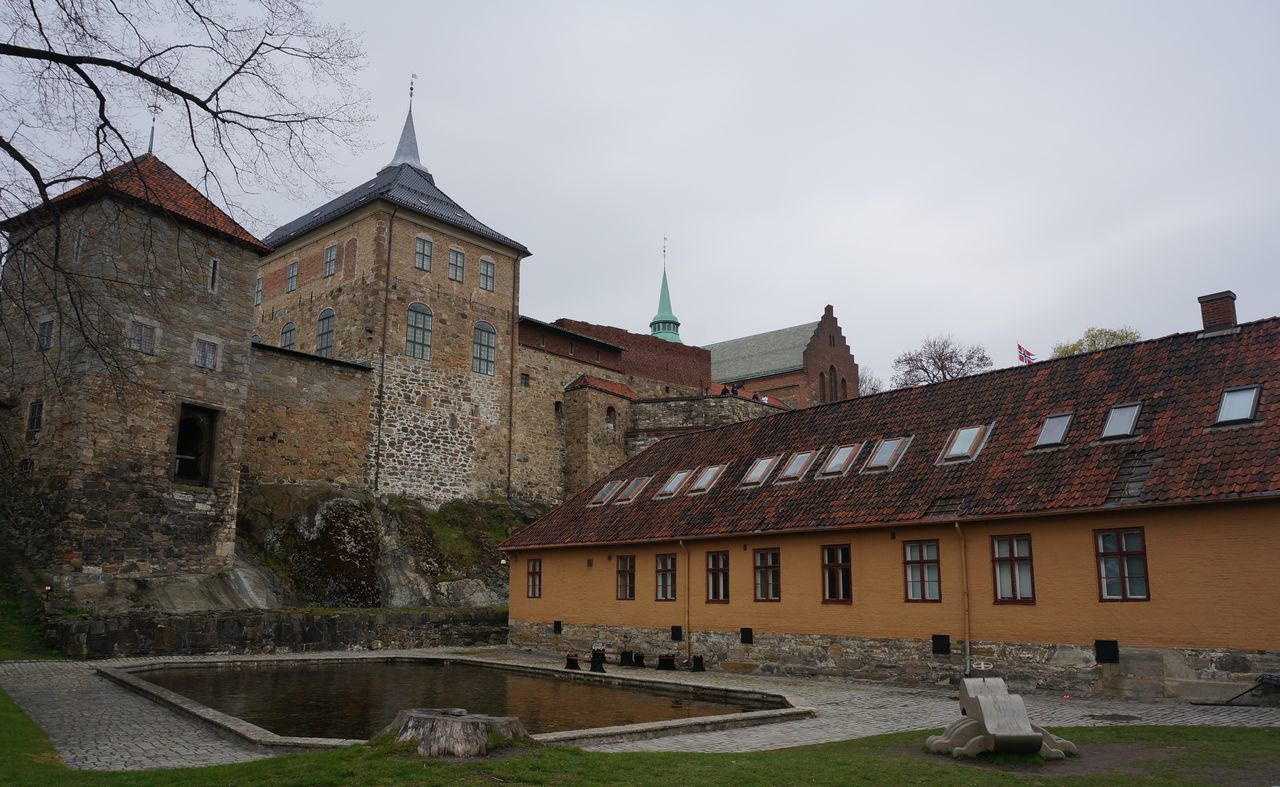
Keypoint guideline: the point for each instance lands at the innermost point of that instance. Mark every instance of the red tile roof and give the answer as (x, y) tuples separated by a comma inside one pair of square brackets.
[(650, 357), (608, 386), (149, 180), (1177, 455)]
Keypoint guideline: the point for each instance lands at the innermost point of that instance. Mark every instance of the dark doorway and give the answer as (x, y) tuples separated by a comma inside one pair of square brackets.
[(194, 455)]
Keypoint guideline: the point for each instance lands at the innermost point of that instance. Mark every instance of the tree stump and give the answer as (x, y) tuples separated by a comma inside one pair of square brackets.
[(452, 732)]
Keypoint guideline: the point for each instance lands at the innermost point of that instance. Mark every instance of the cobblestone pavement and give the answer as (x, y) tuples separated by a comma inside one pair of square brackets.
[(98, 725)]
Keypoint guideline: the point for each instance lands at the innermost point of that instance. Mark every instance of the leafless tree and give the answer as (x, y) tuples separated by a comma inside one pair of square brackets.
[(868, 382), (938, 358)]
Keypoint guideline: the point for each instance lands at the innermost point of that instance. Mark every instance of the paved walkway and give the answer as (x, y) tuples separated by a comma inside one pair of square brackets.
[(98, 725)]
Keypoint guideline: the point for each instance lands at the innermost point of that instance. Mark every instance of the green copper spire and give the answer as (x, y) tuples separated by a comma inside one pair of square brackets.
[(664, 324)]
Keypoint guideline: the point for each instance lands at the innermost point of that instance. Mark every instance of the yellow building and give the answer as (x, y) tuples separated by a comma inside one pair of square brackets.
[(1097, 524)]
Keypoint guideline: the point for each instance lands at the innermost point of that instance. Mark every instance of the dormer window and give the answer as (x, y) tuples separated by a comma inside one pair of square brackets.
[(759, 470), (706, 479), (795, 467), (964, 444), (1121, 420), (674, 484), (1238, 405), (634, 487), (1054, 430), (887, 454), (606, 492), (838, 461)]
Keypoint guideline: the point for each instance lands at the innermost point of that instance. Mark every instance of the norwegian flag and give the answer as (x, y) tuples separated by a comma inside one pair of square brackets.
[(1025, 356)]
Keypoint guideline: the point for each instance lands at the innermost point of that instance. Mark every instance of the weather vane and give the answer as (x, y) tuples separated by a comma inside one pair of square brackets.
[(411, 78), (664, 253), (155, 109)]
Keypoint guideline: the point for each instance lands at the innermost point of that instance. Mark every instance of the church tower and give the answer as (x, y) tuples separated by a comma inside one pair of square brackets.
[(664, 324)]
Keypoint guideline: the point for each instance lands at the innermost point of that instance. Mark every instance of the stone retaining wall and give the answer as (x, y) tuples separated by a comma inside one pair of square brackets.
[(1142, 673), (262, 631)]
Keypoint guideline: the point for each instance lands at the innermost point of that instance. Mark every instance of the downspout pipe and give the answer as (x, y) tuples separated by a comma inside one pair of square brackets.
[(382, 357), (964, 584), (688, 588)]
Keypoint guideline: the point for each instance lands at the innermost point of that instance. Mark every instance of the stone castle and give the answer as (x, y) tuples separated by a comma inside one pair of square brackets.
[(373, 345)]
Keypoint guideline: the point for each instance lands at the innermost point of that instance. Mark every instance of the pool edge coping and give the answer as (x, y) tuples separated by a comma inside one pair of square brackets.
[(259, 737)]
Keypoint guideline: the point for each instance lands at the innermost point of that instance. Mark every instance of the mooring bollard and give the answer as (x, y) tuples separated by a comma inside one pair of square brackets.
[(597, 661), (626, 659), (697, 665), (639, 659), (571, 662)]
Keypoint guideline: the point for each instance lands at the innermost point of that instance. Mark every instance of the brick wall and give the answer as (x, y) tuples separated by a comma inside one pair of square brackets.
[(595, 442), (645, 357), (830, 371)]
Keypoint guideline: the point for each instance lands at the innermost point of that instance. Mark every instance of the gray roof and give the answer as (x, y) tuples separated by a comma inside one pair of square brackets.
[(762, 355), (404, 185)]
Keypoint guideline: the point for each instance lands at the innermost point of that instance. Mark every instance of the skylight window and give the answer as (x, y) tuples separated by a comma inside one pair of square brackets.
[(607, 491), (1238, 404), (887, 453), (838, 461), (634, 487), (965, 443), (759, 470), (706, 479), (1121, 420), (1054, 430), (795, 467), (674, 484)]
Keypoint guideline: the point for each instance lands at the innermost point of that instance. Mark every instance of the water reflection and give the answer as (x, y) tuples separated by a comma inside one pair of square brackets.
[(358, 699)]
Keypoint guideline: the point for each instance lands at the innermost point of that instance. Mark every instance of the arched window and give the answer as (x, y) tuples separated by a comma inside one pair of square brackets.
[(324, 334), (484, 349), (822, 387), (844, 388), (417, 338), (831, 382), (610, 418), (255, 338), (286, 335)]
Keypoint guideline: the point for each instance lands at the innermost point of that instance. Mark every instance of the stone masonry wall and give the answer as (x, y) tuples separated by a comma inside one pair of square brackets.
[(654, 419), (258, 631), (308, 420), (105, 454), (593, 446), (1142, 673)]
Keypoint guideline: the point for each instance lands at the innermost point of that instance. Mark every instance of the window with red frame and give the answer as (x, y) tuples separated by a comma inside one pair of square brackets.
[(1122, 564), (837, 579), (768, 575), (535, 578), (1011, 561), (666, 578), (718, 577), (626, 577), (920, 562)]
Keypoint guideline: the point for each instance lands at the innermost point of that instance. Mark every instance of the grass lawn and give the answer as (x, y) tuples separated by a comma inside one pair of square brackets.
[(1117, 755)]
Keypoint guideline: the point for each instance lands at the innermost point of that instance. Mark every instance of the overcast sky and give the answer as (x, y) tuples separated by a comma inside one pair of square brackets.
[(1001, 171)]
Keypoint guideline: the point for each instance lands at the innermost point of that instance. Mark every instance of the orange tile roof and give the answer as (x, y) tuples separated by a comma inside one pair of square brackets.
[(149, 180)]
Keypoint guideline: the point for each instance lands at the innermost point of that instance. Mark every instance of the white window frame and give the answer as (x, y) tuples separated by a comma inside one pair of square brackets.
[(1133, 425), (826, 471), (155, 337), (291, 276), (1255, 390), (1041, 442), (257, 291), (771, 462), (899, 452), (217, 351), (330, 260)]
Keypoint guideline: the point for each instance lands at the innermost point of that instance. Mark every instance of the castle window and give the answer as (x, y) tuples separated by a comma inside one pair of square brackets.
[(1121, 420), (35, 415), (291, 277), (44, 335), (1238, 405), (831, 382), (534, 586), (487, 270), (484, 349), (706, 479), (626, 577), (887, 454), (457, 264), (634, 487), (759, 470), (606, 493), (142, 337), (795, 467), (213, 275), (524, 380), (287, 335), (920, 561), (27, 468), (838, 461), (324, 334), (665, 579), (417, 341), (768, 575), (837, 579), (193, 459), (206, 354), (257, 291), (674, 483), (330, 259), (965, 444), (610, 418), (422, 254), (1054, 430)]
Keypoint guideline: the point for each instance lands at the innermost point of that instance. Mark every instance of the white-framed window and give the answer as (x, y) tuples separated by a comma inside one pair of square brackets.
[(330, 259), (706, 479), (288, 334), (887, 454), (257, 291), (838, 461), (633, 489), (324, 334), (35, 415), (484, 349), (1121, 420), (759, 470), (675, 482), (1054, 431), (422, 254), (606, 493), (964, 444), (205, 353), (142, 336), (457, 264), (487, 270), (44, 335), (291, 277), (795, 467), (417, 338), (1238, 404)]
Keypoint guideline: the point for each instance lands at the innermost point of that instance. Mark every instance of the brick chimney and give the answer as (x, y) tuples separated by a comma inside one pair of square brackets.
[(1218, 310)]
